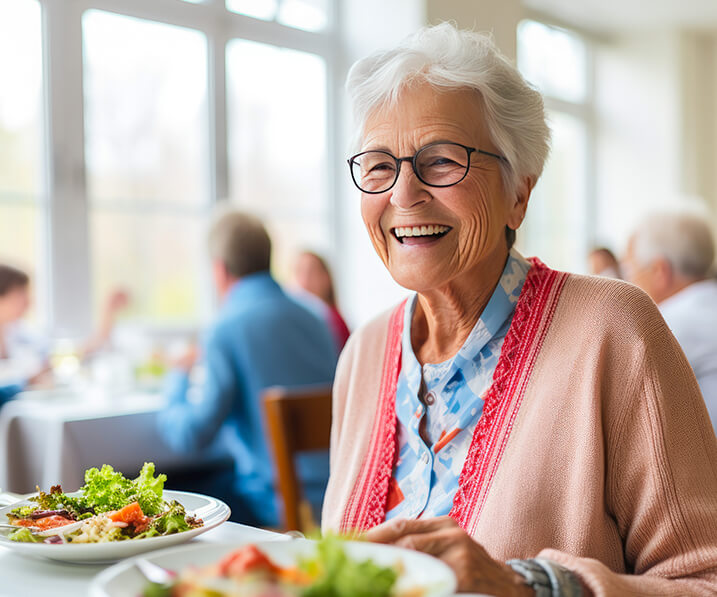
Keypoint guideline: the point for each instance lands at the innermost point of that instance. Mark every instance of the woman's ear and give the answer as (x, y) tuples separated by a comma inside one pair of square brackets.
[(520, 202)]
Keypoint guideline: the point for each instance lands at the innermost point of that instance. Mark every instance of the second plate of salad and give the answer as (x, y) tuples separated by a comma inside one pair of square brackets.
[(109, 518), (298, 568)]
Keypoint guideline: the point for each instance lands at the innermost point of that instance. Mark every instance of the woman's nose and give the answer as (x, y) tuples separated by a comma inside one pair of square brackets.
[(408, 191)]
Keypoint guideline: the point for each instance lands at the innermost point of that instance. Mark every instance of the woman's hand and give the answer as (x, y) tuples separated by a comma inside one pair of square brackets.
[(441, 537)]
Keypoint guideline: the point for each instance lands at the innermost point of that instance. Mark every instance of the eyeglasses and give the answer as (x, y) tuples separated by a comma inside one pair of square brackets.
[(440, 164)]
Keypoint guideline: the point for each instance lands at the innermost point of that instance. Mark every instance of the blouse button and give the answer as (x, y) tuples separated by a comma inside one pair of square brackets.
[(430, 398), (424, 458)]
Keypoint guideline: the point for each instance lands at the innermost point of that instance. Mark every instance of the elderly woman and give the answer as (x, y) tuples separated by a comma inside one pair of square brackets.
[(540, 432)]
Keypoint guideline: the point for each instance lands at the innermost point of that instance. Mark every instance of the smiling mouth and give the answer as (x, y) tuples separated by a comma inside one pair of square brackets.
[(432, 231)]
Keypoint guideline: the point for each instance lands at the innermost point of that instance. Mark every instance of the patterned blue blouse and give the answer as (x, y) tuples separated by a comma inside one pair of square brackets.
[(426, 475)]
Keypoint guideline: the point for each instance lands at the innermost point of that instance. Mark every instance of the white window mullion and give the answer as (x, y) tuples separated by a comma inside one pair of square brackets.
[(68, 259), (336, 70), (219, 158), (219, 167)]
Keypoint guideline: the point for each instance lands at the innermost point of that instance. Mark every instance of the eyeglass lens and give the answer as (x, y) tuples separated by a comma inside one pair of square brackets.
[(442, 164)]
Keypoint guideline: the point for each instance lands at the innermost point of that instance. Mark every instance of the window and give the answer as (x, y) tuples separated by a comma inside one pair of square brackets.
[(156, 111), (309, 15), (556, 211), (22, 201), (557, 227), (553, 59), (146, 148), (277, 148)]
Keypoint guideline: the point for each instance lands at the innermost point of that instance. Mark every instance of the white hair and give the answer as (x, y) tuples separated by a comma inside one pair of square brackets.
[(449, 58), (684, 240)]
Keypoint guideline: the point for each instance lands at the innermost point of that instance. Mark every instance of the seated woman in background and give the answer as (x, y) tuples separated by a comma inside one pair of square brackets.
[(23, 353), (312, 274), (540, 432), (602, 262)]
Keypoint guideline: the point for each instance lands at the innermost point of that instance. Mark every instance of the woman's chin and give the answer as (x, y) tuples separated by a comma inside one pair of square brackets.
[(415, 279)]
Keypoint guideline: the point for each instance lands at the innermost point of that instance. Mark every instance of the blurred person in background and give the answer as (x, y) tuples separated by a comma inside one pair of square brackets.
[(100, 338), (602, 262), (670, 257), (312, 275), (260, 338), (23, 354)]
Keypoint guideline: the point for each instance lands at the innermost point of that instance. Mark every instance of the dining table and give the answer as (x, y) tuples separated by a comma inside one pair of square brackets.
[(25, 576), (52, 437)]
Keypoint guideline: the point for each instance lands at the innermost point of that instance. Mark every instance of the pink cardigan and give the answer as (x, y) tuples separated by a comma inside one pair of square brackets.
[(594, 449)]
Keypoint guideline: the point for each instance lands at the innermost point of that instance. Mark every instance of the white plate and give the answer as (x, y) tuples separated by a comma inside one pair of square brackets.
[(212, 511), (419, 570)]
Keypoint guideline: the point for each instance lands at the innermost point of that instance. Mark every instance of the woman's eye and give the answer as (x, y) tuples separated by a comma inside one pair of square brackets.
[(441, 161), (384, 166)]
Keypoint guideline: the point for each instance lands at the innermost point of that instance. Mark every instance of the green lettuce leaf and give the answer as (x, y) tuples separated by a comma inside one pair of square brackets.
[(340, 576), (106, 489), (23, 535), (58, 500), (172, 521), (148, 490)]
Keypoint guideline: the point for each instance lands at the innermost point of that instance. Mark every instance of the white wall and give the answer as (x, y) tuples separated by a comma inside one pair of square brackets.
[(638, 131), (499, 17), (656, 128), (698, 88)]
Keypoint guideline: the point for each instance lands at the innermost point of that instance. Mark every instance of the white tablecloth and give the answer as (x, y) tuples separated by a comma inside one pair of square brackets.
[(55, 439), (22, 576)]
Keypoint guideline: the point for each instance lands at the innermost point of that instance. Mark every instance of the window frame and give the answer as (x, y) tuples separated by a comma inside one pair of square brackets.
[(586, 113), (67, 296)]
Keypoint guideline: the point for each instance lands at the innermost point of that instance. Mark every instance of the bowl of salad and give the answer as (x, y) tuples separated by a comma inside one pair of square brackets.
[(327, 568), (110, 517)]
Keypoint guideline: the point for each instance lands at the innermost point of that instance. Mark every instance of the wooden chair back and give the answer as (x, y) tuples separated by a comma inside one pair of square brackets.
[(297, 420)]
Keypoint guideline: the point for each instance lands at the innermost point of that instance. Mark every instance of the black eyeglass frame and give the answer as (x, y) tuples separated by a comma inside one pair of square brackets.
[(412, 160)]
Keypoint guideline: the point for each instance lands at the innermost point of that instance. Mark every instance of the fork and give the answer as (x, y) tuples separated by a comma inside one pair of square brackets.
[(15, 527), (63, 530), (154, 573)]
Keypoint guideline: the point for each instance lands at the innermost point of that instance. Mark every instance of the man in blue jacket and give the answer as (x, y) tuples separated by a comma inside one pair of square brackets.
[(260, 338)]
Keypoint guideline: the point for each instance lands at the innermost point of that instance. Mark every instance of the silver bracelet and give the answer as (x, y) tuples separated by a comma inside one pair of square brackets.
[(547, 578)]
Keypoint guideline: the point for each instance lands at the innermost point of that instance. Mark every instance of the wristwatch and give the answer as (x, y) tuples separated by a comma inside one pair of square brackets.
[(547, 578)]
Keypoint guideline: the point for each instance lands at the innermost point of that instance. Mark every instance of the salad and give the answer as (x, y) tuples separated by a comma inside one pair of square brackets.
[(248, 572), (108, 507)]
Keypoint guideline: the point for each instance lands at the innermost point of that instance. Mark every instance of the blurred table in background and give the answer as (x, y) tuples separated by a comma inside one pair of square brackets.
[(50, 438)]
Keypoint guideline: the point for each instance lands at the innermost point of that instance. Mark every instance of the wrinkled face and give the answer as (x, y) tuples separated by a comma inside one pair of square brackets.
[(310, 275), (465, 223), (14, 304)]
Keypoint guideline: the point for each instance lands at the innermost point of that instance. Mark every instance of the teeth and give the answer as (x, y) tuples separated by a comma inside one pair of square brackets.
[(420, 230)]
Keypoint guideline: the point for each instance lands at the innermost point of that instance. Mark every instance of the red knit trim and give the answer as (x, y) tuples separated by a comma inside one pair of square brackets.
[(367, 505), (522, 343)]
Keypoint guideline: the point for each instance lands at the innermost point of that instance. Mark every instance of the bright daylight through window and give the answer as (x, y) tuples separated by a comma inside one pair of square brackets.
[(146, 150), (309, 15), (268, 136), (22, 200), (556, 226)]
